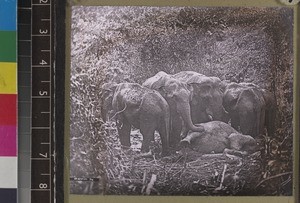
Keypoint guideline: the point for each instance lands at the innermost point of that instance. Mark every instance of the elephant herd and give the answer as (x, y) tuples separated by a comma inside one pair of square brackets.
[(188, 106)]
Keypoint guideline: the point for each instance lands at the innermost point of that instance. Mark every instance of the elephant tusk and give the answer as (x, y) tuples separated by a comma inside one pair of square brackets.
[(210, 117), (118, 112), (225, 110)]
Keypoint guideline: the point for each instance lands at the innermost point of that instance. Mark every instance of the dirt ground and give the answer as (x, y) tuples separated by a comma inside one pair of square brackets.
[(184, 172)]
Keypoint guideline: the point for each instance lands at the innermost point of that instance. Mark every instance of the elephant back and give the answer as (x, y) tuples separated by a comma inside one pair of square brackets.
[(110, 86), (156, 81), (190, 77), (250, 85), (130, 93), (200, 82), (218, 126), (167, 85), (187, 75)]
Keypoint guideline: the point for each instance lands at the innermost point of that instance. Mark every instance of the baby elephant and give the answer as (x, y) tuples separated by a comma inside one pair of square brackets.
[(217, 137)]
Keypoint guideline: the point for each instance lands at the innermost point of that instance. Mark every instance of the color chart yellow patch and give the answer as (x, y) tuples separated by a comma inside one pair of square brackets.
[(8, 78)]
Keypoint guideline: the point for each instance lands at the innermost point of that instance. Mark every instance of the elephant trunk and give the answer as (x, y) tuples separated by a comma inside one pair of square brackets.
[(184, 110), (220, 114)]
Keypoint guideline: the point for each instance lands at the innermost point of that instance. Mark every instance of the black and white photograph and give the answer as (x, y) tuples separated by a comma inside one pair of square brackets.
[(186, 101)]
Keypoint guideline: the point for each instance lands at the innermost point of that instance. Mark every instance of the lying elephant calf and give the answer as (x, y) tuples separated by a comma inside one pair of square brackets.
[(217, 137)]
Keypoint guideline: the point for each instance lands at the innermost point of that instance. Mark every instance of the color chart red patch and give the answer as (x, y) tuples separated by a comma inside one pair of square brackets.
[(8, 111)]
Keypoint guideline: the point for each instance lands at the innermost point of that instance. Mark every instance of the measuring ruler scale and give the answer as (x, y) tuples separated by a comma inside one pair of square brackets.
[(42, 139)]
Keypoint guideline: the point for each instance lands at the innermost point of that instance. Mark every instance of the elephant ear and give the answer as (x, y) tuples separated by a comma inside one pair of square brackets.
[(107, 89), (157, 81)]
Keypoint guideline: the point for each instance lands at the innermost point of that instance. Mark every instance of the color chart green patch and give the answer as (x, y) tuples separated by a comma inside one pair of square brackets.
[(8, 48)]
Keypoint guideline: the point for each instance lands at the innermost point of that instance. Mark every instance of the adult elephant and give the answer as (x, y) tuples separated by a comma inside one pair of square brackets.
[(143, 108), (270, 107), (178, 95), (246, 106), (218, 137), (207, 101)]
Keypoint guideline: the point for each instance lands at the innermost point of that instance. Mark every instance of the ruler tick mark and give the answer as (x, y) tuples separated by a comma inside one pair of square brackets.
[(40, 66), (40, 35), (24, 8), (24, 40), (40, 189), (41, 4), (41, 128), (36, 97), (46, 159)]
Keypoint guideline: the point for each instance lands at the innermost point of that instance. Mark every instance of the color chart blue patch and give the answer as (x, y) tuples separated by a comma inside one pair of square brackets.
[(8, 9)]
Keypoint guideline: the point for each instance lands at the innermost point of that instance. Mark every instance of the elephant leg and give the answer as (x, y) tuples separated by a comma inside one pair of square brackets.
[(175, 131), (164, 141), (147, 130), (124, 128)]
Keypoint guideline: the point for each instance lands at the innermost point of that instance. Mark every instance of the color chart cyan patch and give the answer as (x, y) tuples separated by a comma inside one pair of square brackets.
[(8, 101)]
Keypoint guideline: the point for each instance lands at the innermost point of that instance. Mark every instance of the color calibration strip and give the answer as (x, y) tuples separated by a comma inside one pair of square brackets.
[(8, 101)]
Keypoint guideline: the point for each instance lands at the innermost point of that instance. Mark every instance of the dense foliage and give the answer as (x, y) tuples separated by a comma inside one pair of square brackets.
[(131, 44)]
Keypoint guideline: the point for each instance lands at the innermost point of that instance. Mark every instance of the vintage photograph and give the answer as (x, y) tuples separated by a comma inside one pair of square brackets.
[(189, 101)]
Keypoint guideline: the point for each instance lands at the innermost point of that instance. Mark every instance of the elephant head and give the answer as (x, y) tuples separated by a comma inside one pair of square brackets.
[(231, 94), (178, 95), (246, 105), (207, 95), (106, 97)]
